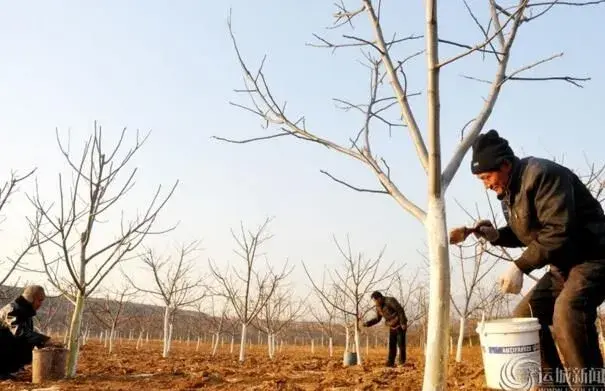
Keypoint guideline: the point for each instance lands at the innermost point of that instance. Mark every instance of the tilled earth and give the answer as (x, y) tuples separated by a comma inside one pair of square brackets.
[(294, 368)]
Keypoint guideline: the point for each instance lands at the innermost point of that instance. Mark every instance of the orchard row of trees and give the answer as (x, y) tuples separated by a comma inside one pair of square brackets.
[(76, 255)]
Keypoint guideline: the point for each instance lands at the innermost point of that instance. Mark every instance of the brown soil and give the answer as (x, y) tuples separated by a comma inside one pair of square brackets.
[(294, 369)]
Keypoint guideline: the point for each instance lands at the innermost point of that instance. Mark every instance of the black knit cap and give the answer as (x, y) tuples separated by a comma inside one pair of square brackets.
[(489, 151), (376, 295)]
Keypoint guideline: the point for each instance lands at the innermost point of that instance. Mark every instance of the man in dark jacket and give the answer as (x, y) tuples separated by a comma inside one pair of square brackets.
[(551, 213), (17, 334), (394, 317)]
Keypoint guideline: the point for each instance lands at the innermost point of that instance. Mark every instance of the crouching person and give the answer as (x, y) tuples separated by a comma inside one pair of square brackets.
[(394, 317), (17, 335)]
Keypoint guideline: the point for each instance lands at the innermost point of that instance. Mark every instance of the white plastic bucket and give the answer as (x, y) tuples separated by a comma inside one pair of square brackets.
[(511, 353)]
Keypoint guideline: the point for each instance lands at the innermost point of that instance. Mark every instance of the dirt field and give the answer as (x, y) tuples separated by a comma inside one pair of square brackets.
[(295, 368)]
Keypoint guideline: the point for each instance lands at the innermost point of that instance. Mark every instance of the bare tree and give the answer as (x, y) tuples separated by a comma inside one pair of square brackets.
[(77, 216), (388, 72), (7, 192), (480, 268), (248, 290), (110, 311), (326, 315), (217, 321), (175, 284), (279, 312), (354, 283)]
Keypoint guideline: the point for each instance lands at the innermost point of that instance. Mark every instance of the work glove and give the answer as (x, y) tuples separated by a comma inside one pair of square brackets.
[(512, 280), (484, 229)]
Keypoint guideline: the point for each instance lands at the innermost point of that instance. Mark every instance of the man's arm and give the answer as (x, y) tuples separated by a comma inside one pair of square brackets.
[(553, 196), (373, 321), (20, 329), (507, 238)]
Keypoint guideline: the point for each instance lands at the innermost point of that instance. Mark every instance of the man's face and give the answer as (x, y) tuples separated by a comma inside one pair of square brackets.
[(496, 181), (38, 302)]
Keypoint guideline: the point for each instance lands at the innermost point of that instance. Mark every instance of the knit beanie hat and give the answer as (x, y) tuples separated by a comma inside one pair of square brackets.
[(489, 151)]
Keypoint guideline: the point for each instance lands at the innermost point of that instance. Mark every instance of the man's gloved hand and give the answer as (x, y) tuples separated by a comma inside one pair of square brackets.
[(486, 230), (512, 280)]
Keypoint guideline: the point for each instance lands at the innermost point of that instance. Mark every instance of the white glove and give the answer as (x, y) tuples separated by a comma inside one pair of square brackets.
[(512, 280)]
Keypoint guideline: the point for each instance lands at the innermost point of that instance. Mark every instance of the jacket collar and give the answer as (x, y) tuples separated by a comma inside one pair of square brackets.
[(514, 182), (26, 306)]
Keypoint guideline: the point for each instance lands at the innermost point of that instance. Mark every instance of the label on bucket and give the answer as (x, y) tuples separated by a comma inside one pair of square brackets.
[(514, 349)]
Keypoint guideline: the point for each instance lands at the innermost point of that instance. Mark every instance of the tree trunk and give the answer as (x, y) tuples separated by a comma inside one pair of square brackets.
[(357, 346), (436, 351), (111, 338), (460, 340), (231, 348), (197, 346), (215, 347), (74, 335), (242, 345), (436, 357), (140, 340), (347, 340), (167, 337), (330, 346), (270, 346)]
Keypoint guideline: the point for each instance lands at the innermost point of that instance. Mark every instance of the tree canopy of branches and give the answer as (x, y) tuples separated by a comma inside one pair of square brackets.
[(248, 289), (175, 284), (75, 256), (350, 286), (7, 191)]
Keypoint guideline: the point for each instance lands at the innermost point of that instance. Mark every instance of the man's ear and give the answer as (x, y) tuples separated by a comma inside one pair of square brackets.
[(506, 165)]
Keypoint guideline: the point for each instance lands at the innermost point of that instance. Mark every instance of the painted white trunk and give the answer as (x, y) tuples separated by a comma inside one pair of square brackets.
[(85, 338), (242, 345), (167, 334), (140, 340), (197, 346), (330, 346), (460, 340), (232, 347), (66, 336), (74, 335), (112, 338), (271, 345), (347, 340), (436, 355), (216, 342), (357, 346), (312, 346), (367, 345)]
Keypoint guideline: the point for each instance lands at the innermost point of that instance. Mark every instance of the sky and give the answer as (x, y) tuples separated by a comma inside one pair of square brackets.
[(170, 68)]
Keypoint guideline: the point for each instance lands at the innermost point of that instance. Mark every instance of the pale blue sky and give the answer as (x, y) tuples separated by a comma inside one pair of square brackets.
[(170, 67)]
